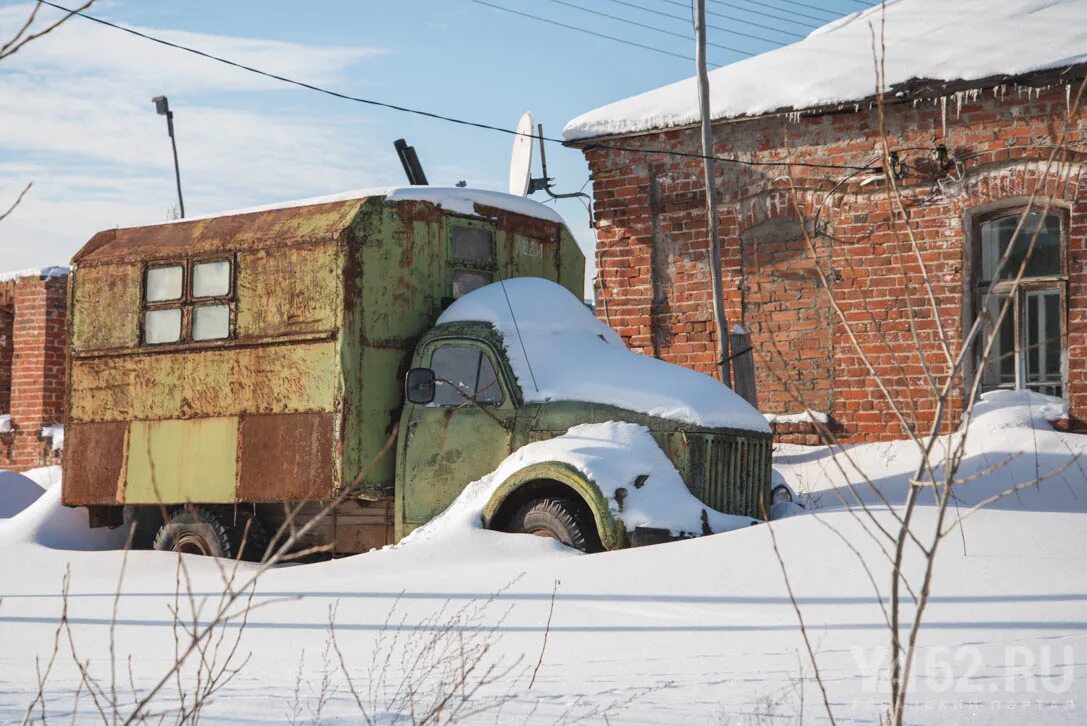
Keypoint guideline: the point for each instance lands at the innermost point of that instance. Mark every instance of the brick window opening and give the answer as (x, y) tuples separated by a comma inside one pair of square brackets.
[(788, 316), (188, 302), (1029, 348)]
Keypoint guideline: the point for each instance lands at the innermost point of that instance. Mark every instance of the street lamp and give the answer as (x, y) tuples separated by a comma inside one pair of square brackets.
[(162, 107)]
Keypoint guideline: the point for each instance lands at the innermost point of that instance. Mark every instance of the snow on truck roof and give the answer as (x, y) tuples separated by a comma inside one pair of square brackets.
[(965, 40), (560, 352), (460, 200)]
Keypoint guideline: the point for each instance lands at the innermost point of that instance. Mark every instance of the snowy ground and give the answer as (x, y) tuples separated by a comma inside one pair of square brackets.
[(700, 631)]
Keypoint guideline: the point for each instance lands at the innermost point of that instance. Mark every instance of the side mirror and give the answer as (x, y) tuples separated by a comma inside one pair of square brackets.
[(419, 385)]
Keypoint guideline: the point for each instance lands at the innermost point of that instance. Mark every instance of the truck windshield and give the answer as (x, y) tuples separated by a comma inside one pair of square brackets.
[(464, 373)]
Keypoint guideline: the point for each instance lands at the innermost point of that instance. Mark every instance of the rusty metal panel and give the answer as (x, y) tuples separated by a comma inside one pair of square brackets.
[(287, 458), (293, 290), (94, 456), (206, 383), (173, 462), (106, 307), (256, 230)]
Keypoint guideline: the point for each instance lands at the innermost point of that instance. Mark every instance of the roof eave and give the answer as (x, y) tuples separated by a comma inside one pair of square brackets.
[(906, 92)]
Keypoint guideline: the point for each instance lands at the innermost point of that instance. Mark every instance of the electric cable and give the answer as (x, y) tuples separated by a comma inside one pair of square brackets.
[(667, 32), (434, 115)]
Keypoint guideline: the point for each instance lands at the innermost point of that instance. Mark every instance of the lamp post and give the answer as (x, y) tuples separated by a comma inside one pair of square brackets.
[(162, 107)]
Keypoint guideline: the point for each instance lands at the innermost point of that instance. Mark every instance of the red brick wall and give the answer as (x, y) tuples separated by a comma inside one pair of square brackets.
[(653, 282), (37, 368)]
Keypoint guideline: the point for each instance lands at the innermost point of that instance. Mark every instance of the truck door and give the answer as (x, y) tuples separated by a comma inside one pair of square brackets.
[(462, 435)]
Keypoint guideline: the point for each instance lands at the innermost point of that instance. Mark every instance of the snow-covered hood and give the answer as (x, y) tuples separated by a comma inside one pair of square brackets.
[(560, 352)]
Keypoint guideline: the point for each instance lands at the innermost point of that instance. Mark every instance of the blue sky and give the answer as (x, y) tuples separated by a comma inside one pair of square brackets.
[(76, 117)]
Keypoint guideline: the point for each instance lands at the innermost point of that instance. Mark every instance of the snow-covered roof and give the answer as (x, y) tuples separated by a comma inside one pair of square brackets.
[(460, 200), (964, 40), (560, 352)]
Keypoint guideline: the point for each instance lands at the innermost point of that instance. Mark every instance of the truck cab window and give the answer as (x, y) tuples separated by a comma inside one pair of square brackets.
[(464, 374)]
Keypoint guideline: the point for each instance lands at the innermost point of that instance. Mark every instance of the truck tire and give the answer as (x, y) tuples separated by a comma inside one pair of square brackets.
[(560, 519), (200, 531)]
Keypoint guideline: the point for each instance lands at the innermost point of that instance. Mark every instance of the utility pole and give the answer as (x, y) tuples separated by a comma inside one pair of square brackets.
[(720, 322), (162, 107)]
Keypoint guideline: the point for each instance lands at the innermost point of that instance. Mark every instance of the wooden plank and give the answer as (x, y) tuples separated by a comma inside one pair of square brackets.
[(743, 366)]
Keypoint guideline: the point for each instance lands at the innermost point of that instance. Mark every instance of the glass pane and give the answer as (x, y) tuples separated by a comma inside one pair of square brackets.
[(1042, 336), (211, 279), (999, 370), (473, 244), (162, 326), (456, 367), (464, 281), (163, 283), (996, 236), (488, 391), (210, 322)]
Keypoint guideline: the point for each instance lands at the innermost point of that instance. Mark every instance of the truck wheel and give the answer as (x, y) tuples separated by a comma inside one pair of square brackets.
[(559, 519), (199, 531)]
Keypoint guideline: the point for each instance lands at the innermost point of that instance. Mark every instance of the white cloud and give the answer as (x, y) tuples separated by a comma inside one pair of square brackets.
[(77, 121)]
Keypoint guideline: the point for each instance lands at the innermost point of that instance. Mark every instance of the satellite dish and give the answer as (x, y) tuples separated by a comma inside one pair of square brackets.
[(521, 158)]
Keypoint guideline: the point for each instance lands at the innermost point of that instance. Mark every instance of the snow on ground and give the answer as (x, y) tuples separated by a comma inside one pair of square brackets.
[(544, 323), (925, 39), (697, 631)]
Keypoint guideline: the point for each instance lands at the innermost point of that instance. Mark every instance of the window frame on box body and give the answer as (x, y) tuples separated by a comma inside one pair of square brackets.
[(464, 265), (975, 289), (188, 302)]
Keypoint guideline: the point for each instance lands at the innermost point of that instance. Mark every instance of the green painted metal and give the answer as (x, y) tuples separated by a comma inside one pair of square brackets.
[(182, 461)]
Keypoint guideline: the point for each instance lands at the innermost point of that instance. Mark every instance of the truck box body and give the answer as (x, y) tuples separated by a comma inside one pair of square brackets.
[(257, 357)]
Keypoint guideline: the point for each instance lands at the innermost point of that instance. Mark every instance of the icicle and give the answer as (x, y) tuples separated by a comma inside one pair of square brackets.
[(943, 115), (958, 104)]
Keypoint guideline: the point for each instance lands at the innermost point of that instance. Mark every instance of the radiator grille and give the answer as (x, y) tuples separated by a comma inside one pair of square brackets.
[(735, 474)]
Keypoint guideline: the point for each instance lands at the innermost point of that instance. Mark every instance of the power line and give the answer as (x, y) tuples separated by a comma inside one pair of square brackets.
[(765, 14), (589, 32), (667, 32), (687, 21), (431, 114), (728, 17), (781, 9)]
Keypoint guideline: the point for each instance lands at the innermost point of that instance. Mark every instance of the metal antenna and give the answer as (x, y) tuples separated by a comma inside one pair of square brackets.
[(519, 338)]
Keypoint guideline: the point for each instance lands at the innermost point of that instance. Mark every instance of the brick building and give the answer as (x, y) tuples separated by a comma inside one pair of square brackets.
[(33, 306), (970, 151)]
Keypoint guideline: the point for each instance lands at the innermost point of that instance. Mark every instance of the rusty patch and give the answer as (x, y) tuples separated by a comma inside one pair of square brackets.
[(256, 230), (94, 456), (286, 458)]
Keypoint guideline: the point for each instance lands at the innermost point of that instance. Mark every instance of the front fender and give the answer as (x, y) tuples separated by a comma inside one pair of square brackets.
[(611, 530)]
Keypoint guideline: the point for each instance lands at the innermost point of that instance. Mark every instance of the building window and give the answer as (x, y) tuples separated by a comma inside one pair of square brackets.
[(1029, 348), (472, 257), (188, 301)]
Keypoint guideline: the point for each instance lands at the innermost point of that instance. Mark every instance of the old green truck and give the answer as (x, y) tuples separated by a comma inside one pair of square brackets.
[(384, 348)]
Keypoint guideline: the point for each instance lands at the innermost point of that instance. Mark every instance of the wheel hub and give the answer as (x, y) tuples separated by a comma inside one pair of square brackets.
[(191, 544)]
